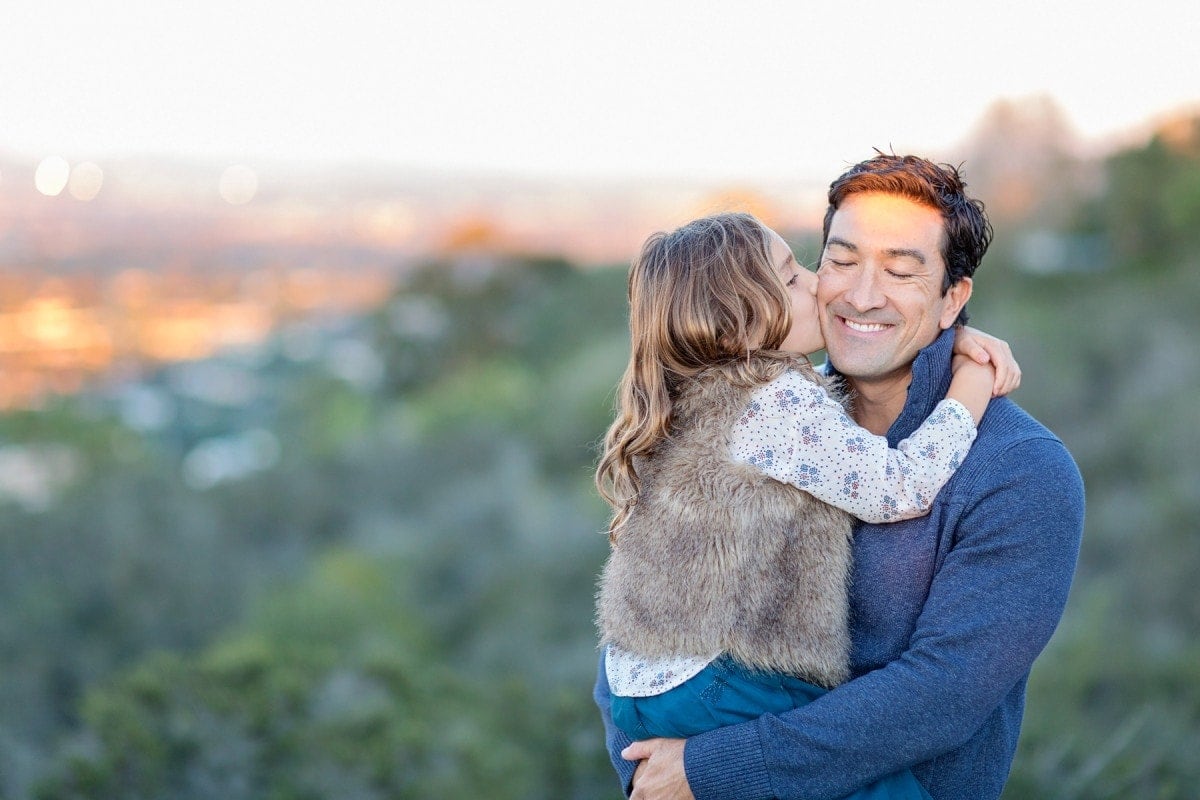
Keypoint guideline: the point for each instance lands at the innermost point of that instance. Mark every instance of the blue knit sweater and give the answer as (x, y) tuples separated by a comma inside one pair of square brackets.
[(948, 613)]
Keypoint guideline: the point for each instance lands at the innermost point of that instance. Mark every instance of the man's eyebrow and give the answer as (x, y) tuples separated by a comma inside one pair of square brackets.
[(906, 252), (891, 252)]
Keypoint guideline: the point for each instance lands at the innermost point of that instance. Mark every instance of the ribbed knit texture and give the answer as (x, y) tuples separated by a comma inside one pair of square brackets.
[(948, 613)]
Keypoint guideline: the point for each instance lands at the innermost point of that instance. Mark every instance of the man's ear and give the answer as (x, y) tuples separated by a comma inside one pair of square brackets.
[(956, 297)]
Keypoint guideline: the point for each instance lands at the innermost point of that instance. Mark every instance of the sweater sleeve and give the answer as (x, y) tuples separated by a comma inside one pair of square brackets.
[(614, 738), (992, 606), (796, 433)]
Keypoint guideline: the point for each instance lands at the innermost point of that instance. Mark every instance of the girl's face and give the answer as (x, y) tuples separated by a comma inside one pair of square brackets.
[(805, 336)]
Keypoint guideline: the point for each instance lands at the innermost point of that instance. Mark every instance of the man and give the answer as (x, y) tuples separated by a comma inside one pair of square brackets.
[(949, 610)]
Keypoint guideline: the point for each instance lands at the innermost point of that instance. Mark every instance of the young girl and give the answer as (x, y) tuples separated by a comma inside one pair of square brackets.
[(724, 596)]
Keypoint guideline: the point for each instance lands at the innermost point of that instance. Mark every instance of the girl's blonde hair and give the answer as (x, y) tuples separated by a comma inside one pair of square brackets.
[(704, 296)]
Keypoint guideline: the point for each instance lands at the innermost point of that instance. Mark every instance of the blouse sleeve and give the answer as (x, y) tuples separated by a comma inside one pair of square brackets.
[(795, 432)]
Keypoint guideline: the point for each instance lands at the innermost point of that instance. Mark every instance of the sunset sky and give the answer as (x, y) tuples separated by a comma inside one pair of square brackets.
[(644, 89)]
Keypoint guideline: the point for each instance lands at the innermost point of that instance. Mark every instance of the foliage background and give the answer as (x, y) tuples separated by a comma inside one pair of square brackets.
[(400, 605)]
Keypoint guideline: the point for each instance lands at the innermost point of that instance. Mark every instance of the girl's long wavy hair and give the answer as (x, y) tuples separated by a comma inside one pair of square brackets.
[(705, 296)]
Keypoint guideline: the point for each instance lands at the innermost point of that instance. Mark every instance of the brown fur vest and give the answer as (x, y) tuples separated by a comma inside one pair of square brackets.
[(717, 557)]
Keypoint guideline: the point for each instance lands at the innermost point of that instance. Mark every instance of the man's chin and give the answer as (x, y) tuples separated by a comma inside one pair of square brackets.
[(859, 368)]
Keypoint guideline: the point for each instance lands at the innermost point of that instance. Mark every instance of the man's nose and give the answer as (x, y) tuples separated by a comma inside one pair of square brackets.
[(865, 292)]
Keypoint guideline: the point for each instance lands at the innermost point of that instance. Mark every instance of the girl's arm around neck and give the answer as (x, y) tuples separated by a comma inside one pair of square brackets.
[(793, 431), (986, 349), (972, 385)]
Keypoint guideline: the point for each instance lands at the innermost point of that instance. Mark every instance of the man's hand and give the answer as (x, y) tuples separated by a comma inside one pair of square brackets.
[(660, 774)]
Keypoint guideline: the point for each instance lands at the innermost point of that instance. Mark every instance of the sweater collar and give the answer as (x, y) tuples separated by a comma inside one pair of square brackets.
[(930, 379)]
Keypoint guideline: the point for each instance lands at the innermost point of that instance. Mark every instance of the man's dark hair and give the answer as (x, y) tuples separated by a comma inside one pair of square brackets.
[(938, 186)]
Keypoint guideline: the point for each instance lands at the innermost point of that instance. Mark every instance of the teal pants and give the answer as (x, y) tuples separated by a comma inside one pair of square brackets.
[(726, 693)]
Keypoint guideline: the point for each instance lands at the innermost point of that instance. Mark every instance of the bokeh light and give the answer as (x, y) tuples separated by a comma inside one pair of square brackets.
[(85, 181), (52, 175), (238, 185)]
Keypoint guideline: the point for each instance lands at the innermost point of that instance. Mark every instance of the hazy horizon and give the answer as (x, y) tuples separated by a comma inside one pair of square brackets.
[(650, 90)]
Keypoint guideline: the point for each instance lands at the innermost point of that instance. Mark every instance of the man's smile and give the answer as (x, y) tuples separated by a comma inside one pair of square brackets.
[(864, 327)]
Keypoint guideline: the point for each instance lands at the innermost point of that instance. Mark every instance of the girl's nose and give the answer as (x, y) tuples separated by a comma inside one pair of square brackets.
[(810, 279)]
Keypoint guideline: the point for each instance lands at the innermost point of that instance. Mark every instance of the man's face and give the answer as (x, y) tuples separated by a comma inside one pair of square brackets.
[(880, 286)]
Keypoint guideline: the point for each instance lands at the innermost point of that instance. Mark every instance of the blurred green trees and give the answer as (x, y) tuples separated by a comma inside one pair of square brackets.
[(407, 591), (329, 690), (396, 600), (1108, 352)]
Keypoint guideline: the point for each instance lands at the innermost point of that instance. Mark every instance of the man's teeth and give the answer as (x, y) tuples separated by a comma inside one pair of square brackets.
[(865, 327)]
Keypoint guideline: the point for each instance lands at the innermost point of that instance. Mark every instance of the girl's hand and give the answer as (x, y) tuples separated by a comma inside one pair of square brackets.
[(986, 349)]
